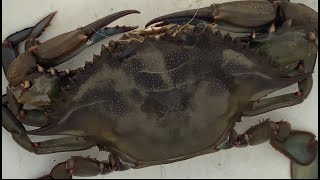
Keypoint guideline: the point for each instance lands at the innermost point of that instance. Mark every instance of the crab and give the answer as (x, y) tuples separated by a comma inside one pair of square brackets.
[(164, 94)]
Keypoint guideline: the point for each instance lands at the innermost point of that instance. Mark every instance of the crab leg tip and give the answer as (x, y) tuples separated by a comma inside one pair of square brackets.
[(301, 68), (50, 16), (299, 93), (36, 145), (22, 114)]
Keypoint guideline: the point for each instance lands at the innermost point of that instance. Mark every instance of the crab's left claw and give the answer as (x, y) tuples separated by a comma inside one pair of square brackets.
[(250, 15)]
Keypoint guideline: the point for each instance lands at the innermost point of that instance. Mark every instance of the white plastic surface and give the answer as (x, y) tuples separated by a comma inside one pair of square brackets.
[(260, 161)]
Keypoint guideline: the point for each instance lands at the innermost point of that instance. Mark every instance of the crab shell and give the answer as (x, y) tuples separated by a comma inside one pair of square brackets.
[(123, 92)]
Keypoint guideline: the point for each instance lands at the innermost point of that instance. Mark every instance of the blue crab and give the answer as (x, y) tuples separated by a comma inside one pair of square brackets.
[(167, 94)]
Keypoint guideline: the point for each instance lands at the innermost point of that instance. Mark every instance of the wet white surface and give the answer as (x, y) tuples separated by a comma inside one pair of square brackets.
[(260, 161)]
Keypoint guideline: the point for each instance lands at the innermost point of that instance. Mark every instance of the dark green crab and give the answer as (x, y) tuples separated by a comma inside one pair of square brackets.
[(167, 94)]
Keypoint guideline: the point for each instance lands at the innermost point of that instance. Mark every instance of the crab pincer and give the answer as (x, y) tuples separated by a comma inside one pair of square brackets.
[(56, 50), (258, 16)]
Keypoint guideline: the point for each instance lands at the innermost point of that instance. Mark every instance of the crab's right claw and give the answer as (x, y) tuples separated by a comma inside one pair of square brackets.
[(250, 15)]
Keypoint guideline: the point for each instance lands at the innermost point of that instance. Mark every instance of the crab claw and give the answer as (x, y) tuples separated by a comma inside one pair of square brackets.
[(56, 50), (65, 46), (204, 14), (90, 29), (250, 15)]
